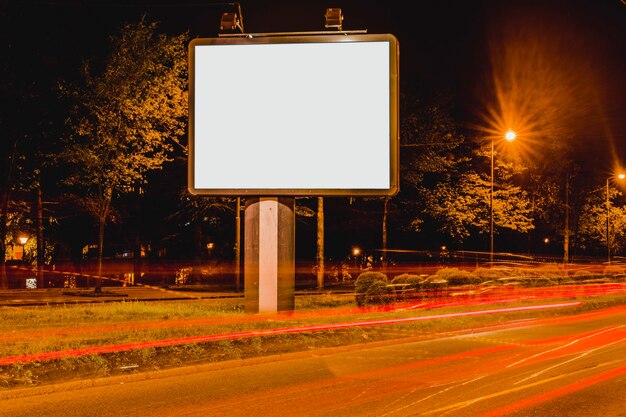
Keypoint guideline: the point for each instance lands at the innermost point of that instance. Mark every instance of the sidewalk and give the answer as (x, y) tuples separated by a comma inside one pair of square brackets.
[(51, 296)]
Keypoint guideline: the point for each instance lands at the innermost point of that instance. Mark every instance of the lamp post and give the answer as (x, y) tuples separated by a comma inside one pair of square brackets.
[(22, 240), (355, 253), (509, 136), (620, 176)]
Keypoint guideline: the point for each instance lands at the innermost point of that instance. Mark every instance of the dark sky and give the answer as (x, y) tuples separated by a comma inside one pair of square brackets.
[(448, 44)]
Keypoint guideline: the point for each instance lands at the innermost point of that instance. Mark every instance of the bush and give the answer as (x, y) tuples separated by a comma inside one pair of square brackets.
[(584, 275), (411, 280), (434, 282), (366, 279), (414, 281), (400, 279), (613, 270), (544, 281), (489, 274), (455, 276), (364, 282), (378, 293)]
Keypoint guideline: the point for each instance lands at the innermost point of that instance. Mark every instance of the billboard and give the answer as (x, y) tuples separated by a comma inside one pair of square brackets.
[(303, 115)]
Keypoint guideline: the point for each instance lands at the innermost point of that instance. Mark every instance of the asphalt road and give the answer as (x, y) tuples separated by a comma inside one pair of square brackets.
[(572, 366)]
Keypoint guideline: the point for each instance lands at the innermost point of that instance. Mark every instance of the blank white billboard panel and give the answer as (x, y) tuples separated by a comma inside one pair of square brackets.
[(314, 115)]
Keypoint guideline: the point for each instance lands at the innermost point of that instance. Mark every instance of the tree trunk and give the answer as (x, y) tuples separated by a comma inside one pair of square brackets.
[(102, 218), (3, 234), (320, 242), (566, 232), (196, 269), (384, 237), (238, 244), (4, 210), (101, 224), (40, 243), (137, 267)]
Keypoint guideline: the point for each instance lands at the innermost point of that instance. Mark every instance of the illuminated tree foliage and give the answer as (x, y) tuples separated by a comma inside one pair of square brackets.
[(593, 223), (448, 185), (128, 118), (464, 207), (428, 141)]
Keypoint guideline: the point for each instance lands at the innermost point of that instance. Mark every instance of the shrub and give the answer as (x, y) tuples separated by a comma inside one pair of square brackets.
[(455, 276), (414, 281), (543, 281), (378, 293), (400, 279), (366, 279), (434, 282), (583, 275), (613, 270), (363, 283), (489, 274)]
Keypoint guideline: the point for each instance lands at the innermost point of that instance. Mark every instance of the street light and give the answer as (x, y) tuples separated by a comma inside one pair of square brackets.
[(334, 18), (355, 254), (232, 20), (509, 136), (620, 176), (22, 240)]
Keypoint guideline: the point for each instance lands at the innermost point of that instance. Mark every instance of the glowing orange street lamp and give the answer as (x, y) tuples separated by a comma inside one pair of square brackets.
[(509, 136), (22, 240), (355, 253)]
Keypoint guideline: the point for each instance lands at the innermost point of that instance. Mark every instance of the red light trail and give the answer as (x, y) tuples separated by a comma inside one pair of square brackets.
[(98, 350)]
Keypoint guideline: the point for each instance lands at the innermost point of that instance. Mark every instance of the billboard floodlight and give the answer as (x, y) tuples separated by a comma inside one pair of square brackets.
[(334, 18)]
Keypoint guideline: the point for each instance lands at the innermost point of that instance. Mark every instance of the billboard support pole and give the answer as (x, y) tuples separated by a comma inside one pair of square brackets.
[(269, 254)]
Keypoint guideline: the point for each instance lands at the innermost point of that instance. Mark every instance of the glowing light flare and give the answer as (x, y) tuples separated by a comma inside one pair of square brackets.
[(539, 84), (98, 350), (510, 135), (621, 176)]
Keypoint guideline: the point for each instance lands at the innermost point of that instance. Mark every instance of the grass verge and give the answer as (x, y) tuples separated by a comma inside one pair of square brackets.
[(36, 330)]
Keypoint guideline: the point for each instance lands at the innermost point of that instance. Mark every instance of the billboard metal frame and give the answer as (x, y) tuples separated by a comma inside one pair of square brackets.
[(283, 38)]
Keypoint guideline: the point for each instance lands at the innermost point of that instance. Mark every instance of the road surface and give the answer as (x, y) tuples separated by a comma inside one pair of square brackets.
[(568, 366)]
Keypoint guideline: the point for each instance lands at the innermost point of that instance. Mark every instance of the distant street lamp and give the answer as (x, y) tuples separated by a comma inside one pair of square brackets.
[(355, 253), (509, 136), (620, 176), (22, 240)]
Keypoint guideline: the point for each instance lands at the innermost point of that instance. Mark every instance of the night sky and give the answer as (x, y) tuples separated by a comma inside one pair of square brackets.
[(446, 43)]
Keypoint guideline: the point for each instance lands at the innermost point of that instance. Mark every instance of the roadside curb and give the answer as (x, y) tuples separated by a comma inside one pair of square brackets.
[(10, 394)]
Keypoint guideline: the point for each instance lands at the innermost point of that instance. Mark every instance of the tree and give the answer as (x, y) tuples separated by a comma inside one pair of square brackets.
[(464, 207), (5, 202), (593, 222), (430, 152), (320, 242), (128, 118)]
